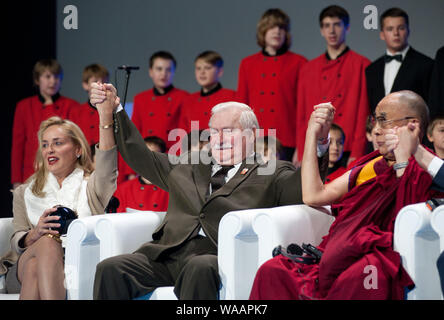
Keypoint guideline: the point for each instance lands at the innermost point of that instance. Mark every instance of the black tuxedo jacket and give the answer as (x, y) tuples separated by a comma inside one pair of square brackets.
[(414, 74), (436, 99)]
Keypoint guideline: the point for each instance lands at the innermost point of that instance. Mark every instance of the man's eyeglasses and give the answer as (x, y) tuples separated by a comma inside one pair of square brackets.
[(386, 124)]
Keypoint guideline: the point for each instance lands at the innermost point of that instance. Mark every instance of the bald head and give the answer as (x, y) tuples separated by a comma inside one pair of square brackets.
[(405, 103)]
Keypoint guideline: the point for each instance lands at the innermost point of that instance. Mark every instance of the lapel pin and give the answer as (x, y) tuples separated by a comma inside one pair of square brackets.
[(244, 171)]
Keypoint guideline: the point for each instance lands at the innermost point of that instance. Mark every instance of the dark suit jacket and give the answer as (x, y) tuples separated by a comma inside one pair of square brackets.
[(187, 184), (414, 74), (436, 99), (438, 180)]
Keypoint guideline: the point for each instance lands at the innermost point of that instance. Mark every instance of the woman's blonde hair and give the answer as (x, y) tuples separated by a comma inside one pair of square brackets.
[(78, 138), (270, 19)]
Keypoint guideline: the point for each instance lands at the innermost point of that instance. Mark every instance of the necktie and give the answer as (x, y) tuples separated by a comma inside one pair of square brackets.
[(218, 179), (388, 58)]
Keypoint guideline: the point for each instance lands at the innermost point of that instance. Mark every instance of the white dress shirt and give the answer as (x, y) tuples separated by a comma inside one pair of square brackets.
[(391, 69), (434, 166)]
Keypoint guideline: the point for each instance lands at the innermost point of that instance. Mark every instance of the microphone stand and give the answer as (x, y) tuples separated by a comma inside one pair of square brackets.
[(127, 76)]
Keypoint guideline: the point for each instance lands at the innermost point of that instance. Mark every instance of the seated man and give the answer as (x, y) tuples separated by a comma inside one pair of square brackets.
[(365, 202), (183, 253)]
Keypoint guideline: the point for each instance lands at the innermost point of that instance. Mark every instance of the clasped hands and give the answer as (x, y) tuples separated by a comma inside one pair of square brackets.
[(104, 97), (403, 141)]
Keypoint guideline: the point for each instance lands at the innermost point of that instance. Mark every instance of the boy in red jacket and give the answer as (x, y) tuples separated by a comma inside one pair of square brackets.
[(268, 79), (159, 110), (141, 194), (86, 116), (336, 76), (208, 71), (30, 112)]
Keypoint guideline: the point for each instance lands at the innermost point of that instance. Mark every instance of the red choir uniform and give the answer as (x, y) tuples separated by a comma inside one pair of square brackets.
[(341, 82), (268, 84), (361, 235), (87, 118), (29, 113), (198, 105), (136, 194), (156, 114)]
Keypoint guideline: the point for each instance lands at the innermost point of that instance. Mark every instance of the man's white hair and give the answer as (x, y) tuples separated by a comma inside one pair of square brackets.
[(247, 118)]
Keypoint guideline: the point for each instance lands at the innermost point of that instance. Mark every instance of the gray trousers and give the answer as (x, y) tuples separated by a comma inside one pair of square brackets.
[(191, 268)]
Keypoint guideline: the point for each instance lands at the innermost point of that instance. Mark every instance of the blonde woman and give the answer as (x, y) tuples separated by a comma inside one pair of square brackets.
[(64, 176)]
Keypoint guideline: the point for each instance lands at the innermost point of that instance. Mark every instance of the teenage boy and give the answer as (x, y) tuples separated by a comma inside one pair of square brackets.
[(208, 69), (30, 112), (157, 111), (86, 116), (402, 67), (336, 76), (268, 79)]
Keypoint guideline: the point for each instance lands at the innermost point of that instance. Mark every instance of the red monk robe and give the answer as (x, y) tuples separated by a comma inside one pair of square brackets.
[(29, 113), (361, 236), (341, 82)]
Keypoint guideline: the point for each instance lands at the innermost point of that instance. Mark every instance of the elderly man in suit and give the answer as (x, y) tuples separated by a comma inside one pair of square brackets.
[(402, 67), (183, 253)]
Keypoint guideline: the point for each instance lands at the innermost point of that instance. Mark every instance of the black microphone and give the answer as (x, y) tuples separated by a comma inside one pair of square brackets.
[(125, 67)]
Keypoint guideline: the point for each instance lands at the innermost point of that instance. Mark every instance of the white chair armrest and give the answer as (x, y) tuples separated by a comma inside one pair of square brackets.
[(81, 257), (237, 253), (6, 231), (418, 246), (121, 233), (290, 224), (438, 224)]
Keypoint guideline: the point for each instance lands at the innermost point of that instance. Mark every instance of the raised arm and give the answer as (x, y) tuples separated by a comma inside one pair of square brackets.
[(153, 166), (314, 192)]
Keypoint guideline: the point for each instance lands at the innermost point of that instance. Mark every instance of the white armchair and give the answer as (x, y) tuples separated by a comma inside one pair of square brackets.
[(248, 237), (81, 257), (419, 246), (6, 231), (438, 225), (238, 252)]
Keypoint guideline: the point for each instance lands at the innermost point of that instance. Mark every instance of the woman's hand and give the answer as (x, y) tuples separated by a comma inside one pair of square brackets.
[(46, 222)]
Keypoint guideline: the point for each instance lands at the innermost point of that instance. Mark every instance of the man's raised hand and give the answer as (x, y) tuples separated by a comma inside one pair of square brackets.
[(97, 94)]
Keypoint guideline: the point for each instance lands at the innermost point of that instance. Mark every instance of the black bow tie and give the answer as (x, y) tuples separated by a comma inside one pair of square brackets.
[(388, 58)]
